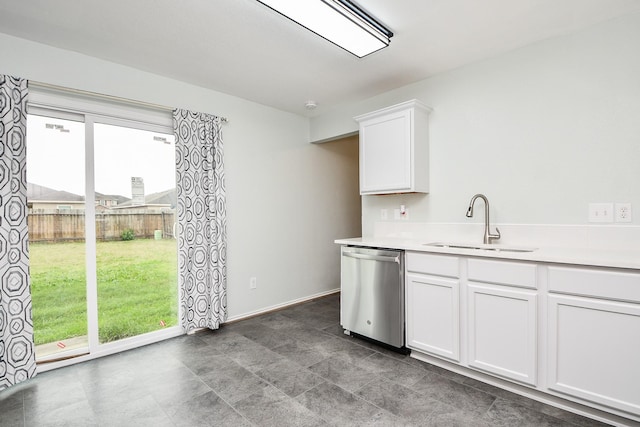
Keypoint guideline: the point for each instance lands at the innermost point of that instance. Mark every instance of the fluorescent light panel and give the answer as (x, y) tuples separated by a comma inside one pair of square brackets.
[(339, 21)]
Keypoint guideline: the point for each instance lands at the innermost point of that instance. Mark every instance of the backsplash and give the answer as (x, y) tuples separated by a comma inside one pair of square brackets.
[(615, 237)]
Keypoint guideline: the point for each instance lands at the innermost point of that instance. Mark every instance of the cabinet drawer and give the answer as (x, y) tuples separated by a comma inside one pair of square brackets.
[(502, 272), (437, 265), (610, 284)]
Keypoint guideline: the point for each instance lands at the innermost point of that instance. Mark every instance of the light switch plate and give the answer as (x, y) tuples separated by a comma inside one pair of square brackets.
[(600, 212)]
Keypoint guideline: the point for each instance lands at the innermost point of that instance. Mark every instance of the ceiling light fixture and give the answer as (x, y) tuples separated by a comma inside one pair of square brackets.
[(342, 22)]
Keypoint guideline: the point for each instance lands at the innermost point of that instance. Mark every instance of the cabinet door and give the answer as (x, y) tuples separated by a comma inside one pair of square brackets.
[(433, 312), (594, 351), (502, 332), (385, 153)]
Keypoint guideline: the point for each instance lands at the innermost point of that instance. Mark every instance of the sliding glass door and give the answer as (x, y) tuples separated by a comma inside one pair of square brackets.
[(56, 204), (136, 253), (101, 197)]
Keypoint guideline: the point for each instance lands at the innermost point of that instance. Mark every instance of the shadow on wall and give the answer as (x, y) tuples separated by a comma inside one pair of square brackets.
[(347, 206)]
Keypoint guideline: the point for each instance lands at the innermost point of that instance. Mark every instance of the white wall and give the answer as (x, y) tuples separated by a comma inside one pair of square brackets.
[(287, 199), (542, 131)]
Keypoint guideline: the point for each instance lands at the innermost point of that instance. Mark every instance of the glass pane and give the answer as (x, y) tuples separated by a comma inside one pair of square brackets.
[(136, 250), (55, 197)]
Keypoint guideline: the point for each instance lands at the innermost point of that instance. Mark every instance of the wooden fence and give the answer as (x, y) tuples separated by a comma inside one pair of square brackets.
[(69, 225)]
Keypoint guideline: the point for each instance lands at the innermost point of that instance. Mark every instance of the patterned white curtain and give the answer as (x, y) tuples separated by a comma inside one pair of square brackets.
[(17, 357), (202, 220)]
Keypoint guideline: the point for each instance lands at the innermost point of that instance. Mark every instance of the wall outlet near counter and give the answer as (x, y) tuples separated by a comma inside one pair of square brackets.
[(253, 283), (400, 214), (623, 212)]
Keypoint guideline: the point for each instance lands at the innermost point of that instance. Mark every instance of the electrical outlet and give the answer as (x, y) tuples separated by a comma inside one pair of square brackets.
[(253, 283), (623, 212), (600, 212), (404, 212)]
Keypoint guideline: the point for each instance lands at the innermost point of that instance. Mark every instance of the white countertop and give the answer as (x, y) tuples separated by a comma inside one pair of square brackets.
[(578, 256)]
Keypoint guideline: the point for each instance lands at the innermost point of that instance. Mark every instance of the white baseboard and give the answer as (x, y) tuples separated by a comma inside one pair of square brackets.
[(280, 306)]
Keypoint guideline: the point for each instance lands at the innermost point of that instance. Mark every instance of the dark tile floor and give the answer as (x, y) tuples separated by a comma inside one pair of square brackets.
[(292, 367)]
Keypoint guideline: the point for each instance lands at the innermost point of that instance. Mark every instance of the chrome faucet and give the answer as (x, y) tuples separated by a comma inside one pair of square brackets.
[(488, 237)]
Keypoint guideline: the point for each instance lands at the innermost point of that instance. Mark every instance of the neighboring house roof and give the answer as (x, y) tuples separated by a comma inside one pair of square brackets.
[(116, 197), (167, 197), (46, 194), (41, 193)]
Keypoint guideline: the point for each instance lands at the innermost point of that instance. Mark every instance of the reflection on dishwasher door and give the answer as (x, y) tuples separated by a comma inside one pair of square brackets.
[(372, 294)]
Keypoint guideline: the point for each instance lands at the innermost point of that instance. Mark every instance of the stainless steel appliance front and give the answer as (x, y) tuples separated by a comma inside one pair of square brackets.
[(372, 293)]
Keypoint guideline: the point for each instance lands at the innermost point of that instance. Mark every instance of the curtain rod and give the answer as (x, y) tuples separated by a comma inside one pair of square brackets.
[(108, 97)]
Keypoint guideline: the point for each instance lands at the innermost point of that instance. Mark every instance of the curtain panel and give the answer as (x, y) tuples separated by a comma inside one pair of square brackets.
[(202, 223), (17, 352)]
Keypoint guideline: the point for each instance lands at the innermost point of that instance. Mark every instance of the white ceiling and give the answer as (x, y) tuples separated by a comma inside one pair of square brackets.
[(242, 48)]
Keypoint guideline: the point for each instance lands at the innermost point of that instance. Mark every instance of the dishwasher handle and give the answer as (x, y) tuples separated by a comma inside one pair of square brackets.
[(395, 259)]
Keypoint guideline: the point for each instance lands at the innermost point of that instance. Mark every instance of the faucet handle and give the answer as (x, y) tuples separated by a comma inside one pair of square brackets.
[(495, 236)]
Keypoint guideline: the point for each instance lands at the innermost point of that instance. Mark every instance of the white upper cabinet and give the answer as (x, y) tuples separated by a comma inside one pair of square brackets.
[(394, 149)]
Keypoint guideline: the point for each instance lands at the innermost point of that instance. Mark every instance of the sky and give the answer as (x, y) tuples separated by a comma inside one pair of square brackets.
[(56, 157)]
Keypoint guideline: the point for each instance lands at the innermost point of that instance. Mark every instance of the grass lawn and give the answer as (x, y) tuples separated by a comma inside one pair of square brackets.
[(137, 289)]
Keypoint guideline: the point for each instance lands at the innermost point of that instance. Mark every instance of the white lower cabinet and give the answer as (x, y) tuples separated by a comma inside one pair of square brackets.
[(594, 343), (433, 304), (590, 327), (433, 313), (502, 331), (593, 353)]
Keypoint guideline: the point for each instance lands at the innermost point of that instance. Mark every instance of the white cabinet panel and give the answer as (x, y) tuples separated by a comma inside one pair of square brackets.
[(594, 351), (386, 158), (433, 313), (596, 282), (502, 332), (394, 149), (510, 273), (437, 265)]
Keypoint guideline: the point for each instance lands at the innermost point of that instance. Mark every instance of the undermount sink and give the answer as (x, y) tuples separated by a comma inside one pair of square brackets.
[(482, 247)]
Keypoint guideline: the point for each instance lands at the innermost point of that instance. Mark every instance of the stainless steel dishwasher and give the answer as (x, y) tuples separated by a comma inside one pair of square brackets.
[(372, 294)]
